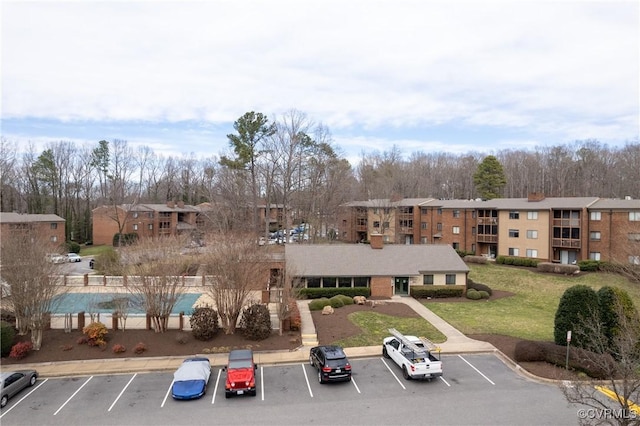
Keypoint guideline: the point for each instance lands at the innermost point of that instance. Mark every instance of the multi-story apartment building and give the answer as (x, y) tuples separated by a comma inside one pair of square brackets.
[(563, 230), (50, 228)]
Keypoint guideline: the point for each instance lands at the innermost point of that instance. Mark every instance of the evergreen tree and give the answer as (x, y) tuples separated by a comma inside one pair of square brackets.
[(489, 178)]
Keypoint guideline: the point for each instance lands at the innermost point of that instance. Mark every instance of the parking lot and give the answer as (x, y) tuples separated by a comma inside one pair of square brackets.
[(475, 389)]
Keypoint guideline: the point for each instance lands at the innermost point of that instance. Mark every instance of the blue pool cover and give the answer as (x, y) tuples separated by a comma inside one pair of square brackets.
[(108, 302)]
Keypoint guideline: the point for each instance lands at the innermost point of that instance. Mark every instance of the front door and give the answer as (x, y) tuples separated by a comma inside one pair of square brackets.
[(402, 286)]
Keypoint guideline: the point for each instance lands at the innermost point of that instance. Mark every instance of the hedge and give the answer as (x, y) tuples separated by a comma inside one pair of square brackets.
[(329, 292), (476, 259), (558, 268), (435, 291), (517, 261), (478, 286)]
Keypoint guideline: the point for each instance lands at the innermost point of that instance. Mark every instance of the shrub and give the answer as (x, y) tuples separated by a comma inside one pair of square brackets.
[(316, 293), (479, 286), (435, 291), (483, 294), (589, 265), (256, 322), (96, 333), (576, 303), (319, 304), (139, 348), (21, 350), (473, 294), (529, 351), (336, 302), (346, 300), (118, 348), (610, 300), (73, 247), (558, 268), (182, 338), (476, 259), (7, 336), (204, 323), (294, 315), (517, 261)]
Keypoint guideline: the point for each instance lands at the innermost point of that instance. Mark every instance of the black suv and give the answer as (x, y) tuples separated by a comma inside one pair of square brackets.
[(331, 362)]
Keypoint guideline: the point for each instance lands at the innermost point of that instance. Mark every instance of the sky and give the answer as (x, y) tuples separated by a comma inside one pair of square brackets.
[(422, 76)]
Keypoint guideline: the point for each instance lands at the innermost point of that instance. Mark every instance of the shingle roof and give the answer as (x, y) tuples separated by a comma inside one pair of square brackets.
[(33, 218), (613, 203), (362, 260)]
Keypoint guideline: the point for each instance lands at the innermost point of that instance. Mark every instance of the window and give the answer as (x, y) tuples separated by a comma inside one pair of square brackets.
[(532, 234), (514, 233), (54, 226), (375, 210), (594, 235), (456, 246), (456, 213), (634, 260), (376, 223), (532, 253), (344, 282), (54, 239), (473, 247), (385, 225), (634, 216), (439, 227), (150, 226), (594, 255), (439, 211), (313, 282), (532, 215), (135, 215), (423, 210), (473, 230), (150, 215), (423, 225), (329, 282), (450, 279), (596, 215), (135, 226), (514, 251), (633, 237), (473, 214), (424, 240), (427, 279), (456, 229), (514, 215)]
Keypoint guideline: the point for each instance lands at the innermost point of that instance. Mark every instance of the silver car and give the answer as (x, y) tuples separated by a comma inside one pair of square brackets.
[(13, 382)]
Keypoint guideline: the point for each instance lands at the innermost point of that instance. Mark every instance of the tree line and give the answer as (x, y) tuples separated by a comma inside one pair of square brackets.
[(292, 162)]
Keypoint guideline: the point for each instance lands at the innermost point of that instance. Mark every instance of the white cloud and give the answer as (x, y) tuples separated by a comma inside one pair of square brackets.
[(563, 68)]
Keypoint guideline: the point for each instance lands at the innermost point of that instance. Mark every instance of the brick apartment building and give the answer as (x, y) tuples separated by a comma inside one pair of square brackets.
[(49, 227), (563, 230)]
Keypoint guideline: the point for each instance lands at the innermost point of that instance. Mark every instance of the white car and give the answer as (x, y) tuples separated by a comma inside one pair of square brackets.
[(56, 258), (73, 257)]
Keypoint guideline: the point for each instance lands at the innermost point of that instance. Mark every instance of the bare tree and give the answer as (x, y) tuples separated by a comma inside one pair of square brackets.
[(621, 369), (287, 286), (235, 266), (156, 280), (34, 281)]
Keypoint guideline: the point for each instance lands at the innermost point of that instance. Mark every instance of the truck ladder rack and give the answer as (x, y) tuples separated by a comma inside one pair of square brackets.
[(408, 343)]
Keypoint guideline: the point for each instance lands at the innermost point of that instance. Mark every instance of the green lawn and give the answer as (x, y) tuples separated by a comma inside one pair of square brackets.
[(94, 250), (530, 313)]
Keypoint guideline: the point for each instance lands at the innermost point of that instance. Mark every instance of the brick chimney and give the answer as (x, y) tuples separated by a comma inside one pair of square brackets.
[(181, 204), (375, 240), (535, 196), (171, 204)]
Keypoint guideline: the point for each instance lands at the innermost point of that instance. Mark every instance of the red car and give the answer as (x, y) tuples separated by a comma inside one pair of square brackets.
[(241, 373)]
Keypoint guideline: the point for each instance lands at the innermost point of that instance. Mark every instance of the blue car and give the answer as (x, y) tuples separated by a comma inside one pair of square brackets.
[(191, 379)]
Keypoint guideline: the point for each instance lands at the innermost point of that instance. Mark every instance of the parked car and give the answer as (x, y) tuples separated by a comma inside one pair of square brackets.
[(331, 362), (56, 258), (73, 257), (12, 382), (241, 373), (191, 378)]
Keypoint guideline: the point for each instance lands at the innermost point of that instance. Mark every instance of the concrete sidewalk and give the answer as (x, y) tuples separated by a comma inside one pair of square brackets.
[(456, 343)]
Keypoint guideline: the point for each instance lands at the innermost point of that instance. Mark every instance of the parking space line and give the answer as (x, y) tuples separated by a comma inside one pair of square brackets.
[(354, 384), (74, 394), (167, 394), (478, 371), (121, 392), (22, 399), (262, 381), (394, 374), (304, 370), (213, 399), (445, 382)]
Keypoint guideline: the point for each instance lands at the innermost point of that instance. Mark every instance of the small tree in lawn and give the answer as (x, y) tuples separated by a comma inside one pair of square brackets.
[(35, 283), (157, 281), (235, 267)]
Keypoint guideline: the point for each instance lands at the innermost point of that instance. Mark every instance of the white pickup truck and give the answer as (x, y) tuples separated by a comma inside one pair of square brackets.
[(413, 355)]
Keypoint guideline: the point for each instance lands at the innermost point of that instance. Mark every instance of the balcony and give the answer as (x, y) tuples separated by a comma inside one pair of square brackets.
[(485, 238), (565, 242), (487, 221)]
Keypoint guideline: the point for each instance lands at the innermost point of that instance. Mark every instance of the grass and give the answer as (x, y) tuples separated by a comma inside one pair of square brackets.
[(94, 250), (530, 313), (375, 327)]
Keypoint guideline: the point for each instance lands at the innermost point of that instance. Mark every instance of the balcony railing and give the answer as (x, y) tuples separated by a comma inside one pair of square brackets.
[(484, 238), (487, 221), (565, 242)]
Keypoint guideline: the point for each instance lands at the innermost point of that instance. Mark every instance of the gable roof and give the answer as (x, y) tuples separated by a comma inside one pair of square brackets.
[(361, 260)]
